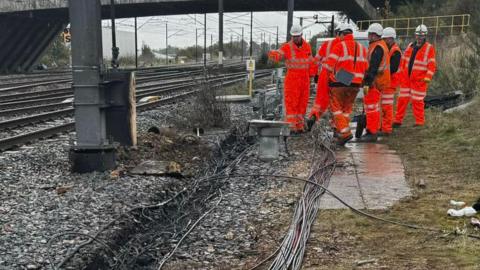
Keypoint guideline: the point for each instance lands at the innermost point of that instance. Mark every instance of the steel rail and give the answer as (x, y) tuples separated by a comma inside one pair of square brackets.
[(22, 139)]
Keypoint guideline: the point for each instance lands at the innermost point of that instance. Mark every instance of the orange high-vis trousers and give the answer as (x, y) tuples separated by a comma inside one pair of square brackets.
[(341, 106), (371, 102), (388, 97), (296, 95), (322, 98), (416, 93)]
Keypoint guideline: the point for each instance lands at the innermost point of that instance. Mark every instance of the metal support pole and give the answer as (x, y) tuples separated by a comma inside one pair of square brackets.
[(251, 35), (211, 46), (332, 27), (196, 45), (242, 46), (205, 41), (269, 42), (92, 151), (115, 49), (301, 21), (264, 40), (291, 4), (277, 39), (231, 46), (220, 33), (166, 43), (136, 44)]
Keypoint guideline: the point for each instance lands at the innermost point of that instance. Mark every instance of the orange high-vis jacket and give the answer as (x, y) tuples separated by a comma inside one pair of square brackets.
[(382, 79), (324, 52), (424, 66), (297, 59), (396, 78), (343, 57)]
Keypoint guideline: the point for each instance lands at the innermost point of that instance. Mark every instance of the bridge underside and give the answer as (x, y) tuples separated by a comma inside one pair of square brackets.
[(355, 9), (26, 33), (24, 40)]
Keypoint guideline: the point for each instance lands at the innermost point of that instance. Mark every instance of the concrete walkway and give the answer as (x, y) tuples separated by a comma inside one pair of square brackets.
[(369, 176)]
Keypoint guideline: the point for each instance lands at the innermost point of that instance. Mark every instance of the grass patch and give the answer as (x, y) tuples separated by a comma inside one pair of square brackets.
[(446, 155)]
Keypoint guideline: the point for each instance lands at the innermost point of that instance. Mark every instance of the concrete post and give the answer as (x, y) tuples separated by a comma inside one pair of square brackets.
[(92, 151)]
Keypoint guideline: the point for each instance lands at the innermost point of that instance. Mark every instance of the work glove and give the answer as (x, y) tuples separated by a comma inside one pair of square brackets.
[(427, 80), (273, 56), (366, 89)]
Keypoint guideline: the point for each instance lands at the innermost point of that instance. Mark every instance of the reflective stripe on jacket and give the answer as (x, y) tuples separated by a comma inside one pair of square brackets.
[(297, 59), (325, 51), (396, 78), (424, 66), (343, 57), (382, 78)]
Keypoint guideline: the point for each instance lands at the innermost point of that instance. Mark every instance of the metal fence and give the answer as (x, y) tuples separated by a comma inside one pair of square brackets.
[(437, 25)]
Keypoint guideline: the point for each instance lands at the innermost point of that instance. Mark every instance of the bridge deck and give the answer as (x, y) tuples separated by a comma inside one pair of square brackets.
[(355, 9), (28, 26)]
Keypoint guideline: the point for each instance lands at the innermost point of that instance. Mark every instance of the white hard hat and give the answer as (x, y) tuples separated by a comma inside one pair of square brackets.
[(296, 30), (421, 30), (375, 28), (344, 27), (389, 32)]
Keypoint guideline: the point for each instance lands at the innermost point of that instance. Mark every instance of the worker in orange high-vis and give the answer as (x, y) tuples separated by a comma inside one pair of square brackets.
[(388, 94), (322, 96), (418, 67), (345, 68), (300, 68), (377, 80)]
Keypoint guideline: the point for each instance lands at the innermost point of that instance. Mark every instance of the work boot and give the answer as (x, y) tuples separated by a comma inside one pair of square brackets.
[(369, 137), (418, 126), (341, 141), (295, 133), (310, 122), (397, 125), (384, 134)]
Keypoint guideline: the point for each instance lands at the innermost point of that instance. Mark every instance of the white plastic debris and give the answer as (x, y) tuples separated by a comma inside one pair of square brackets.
[(467, 212), (457, 203)]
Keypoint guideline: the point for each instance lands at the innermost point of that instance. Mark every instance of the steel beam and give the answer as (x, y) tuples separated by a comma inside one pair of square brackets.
[(90, 120)]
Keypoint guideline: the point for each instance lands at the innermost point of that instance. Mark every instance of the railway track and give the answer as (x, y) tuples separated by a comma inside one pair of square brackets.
[(21, 139), (51, 99), (10, 95), (61, 77)]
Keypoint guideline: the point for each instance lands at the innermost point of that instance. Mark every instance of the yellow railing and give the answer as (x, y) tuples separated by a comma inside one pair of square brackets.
[(437, 25)]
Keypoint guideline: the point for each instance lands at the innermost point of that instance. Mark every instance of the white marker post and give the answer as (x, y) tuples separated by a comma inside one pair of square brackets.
[(251, 69)]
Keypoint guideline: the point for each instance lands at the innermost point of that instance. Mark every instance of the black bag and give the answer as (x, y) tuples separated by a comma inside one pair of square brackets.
[(344, 76), (361, 125)]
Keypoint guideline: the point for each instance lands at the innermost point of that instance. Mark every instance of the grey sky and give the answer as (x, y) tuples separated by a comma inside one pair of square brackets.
[(181, 28)]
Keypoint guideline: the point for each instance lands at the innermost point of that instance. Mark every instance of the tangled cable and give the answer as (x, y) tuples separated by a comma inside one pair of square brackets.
[(292, 250)]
